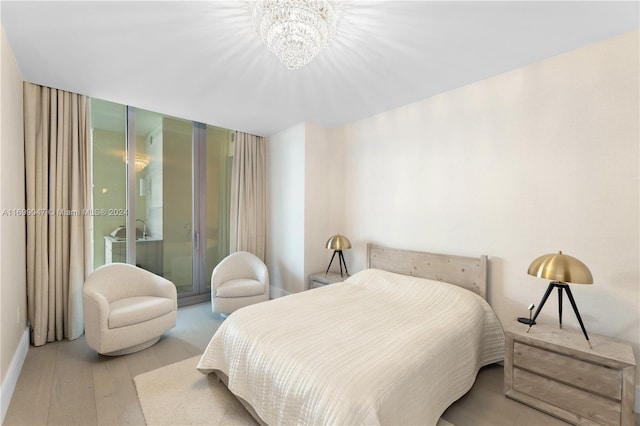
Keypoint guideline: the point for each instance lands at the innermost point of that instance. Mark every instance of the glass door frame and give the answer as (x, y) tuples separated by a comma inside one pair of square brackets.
[(130, 141), (199, 292)]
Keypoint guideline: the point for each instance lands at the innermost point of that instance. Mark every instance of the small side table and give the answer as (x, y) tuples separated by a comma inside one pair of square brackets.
[(319, 279), (555, 371)]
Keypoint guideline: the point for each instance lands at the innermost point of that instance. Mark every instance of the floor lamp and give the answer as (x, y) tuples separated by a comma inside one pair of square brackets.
[(562, 269)]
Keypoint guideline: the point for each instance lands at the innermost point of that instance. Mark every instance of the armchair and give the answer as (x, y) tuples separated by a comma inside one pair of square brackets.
[(239, 280), (126, 308)]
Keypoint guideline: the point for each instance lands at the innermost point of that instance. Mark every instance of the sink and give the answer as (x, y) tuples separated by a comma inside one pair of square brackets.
[(120, 234)]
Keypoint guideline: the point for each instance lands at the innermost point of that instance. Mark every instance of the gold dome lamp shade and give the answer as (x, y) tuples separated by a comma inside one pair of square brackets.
[(561, 269), (337, 243)]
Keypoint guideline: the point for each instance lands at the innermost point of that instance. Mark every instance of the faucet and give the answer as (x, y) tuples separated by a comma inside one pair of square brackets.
[(144, 228)]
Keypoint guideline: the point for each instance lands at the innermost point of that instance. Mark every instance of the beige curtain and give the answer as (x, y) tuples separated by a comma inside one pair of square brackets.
[(248, 188), (56, 132)]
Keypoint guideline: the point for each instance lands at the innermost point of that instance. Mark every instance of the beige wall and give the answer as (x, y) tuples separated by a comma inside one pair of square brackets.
[(539, 159), (305, 193), (12, 228), (285, 211), (323, 198)]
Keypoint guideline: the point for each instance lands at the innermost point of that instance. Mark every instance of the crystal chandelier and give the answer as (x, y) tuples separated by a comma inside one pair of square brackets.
[(295, 30), (141, 161)]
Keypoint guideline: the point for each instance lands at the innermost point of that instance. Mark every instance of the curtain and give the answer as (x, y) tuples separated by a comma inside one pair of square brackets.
[(56, 132), (248, 188)]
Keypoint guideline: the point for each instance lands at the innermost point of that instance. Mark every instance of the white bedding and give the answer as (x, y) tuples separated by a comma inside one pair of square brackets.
[(379, 348)]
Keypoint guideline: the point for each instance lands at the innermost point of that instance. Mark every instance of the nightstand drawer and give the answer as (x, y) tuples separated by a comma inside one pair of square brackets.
[(585, 375), (584, 404), (555, 370)]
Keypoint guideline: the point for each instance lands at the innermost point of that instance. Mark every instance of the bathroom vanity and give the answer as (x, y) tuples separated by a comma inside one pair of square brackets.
[(148, 252)]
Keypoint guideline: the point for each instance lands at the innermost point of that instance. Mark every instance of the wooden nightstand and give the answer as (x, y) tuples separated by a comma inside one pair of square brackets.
[(319, 279), (555, 371)]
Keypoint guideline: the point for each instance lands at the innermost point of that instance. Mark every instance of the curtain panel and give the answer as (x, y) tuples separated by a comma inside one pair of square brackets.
[(248, 195), (56, 132)]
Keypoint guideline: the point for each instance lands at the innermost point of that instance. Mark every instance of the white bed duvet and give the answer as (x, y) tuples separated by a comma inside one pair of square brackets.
[(379, 348)]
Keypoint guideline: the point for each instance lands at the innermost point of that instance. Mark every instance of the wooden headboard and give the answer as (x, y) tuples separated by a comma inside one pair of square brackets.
[(466, 272)]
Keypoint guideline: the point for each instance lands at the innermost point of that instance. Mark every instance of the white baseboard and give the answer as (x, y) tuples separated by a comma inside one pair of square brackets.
[(11, 378)]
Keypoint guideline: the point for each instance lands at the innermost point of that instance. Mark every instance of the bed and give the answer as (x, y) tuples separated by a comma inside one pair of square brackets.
[(396, 343)]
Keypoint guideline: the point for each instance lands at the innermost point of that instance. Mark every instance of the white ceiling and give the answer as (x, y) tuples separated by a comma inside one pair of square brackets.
[(202, 60)]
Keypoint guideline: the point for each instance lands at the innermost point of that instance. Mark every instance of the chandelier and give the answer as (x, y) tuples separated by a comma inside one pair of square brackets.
[(141, 161), (295, 30)]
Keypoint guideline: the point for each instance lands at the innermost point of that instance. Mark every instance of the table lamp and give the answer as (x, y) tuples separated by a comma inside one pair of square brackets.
[(337, 243), (562, 269)]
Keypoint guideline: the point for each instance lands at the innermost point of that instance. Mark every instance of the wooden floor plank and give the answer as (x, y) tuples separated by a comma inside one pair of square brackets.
[(142, 362), (72, 395), (115, 394), (171, 349), (196, 326), (486, 405), (34, 384)]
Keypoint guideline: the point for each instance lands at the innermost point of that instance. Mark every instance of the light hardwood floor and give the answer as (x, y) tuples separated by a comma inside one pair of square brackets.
[(66, 383)]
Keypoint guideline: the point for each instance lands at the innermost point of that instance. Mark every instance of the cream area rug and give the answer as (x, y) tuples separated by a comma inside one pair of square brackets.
[(178, 394)]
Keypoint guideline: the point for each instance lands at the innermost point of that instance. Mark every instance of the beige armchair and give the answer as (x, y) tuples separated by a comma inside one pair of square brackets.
[(126, 308), (241, 279)]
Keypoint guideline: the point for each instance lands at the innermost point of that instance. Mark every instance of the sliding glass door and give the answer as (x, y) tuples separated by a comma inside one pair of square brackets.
[(109, 181), (164, 199), (218, 159), (170, 180)]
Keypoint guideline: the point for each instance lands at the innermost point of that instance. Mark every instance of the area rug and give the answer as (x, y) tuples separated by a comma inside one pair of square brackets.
[(178, 394)]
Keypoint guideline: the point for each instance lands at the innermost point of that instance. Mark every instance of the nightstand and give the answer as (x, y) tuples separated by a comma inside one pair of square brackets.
[(555, 371), (319, 279)]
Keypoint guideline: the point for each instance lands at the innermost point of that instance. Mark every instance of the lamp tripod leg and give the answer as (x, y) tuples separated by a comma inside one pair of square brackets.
[(334, 255), (575, 309), (560, 305), (542, 302), (343, 262)]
